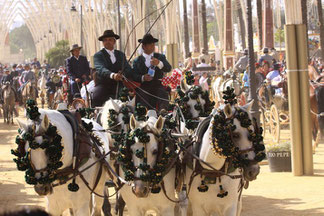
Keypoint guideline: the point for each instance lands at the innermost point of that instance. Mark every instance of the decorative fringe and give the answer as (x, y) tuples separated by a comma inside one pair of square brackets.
[(203, 187), (74, 187), (222, 193)]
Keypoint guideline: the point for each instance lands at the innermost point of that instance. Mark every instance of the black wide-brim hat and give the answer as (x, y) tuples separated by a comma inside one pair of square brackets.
[(108, 33), (75, 46), (147, 39)]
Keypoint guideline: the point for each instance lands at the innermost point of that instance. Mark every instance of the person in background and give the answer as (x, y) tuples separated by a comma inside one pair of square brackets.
[(274, 54), (203, 81), (202, 64), (78, 69), (259, 76), (36, 63), (266, 57), (188, 62), (265, 68), (243, 62), (204, 55)]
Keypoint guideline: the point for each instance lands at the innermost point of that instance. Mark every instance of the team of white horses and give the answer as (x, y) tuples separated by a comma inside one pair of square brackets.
[(137, 193)]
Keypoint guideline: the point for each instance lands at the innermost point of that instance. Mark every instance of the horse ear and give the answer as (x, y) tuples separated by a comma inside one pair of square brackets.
[(228, 111), (183, 86), (115, 105), (132, 102), (133, 122), (159, 124), (45, 123), (22, 125), (248, 106)]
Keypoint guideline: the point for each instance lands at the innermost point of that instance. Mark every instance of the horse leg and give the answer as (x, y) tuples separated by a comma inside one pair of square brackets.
[(120, 205), (233, 210), (106, 207)]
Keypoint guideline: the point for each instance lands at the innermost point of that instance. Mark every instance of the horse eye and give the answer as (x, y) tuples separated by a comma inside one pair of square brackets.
[(246, 155), (155, 151), (236, 135)]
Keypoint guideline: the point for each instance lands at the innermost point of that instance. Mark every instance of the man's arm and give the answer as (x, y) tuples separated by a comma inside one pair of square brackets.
[(128, 71), (136, 75), (166, 65), (69, 68), (101, 70), (87, 67)]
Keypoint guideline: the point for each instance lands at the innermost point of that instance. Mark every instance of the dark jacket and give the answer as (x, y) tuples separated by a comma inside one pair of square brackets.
[(104, 68), (6, 78), (77, 68), (140, 68)]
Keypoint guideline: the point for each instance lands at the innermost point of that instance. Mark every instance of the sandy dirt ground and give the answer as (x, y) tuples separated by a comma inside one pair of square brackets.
[(272, 194)]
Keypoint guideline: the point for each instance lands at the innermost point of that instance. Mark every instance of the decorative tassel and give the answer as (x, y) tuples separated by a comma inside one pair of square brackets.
[(203, 187), (222, 192), (74, 187)]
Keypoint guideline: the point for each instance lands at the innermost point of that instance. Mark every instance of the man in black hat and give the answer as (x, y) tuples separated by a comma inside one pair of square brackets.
[(78, 69), (110, 66), (148, 70)]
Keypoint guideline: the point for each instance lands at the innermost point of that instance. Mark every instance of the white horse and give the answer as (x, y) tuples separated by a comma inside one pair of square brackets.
[(59, 198), (138, 196), (221, 85), (210, 202)]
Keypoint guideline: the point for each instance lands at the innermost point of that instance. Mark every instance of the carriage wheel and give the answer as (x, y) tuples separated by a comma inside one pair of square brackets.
[(274, 123)]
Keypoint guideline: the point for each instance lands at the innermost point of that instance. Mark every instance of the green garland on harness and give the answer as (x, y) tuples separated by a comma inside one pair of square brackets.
[(222, 141), (184, 98), (153, 175), (51, 144)]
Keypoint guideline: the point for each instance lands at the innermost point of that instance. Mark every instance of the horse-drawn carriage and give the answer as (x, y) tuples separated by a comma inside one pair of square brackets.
[(274, 109)]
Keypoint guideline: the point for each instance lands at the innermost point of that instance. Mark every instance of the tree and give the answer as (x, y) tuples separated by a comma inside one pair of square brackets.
[(259, 14), (279, 35), (241, 22), (204, 25), (21, 38), (185, 28), (57, 55)]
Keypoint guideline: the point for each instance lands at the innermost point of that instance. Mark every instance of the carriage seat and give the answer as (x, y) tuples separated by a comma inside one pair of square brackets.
[(81, 138)]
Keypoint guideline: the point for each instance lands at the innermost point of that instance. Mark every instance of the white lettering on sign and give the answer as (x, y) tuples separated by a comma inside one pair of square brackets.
[(278, 154)]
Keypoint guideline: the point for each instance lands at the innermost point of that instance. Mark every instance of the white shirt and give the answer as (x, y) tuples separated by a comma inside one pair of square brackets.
[(112, 55), (112, 58), (148, 58), (90, 88)]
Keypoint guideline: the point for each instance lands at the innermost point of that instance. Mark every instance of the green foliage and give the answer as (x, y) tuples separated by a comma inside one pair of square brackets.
[(57, 55), (21, 38), (278, 147), (279, 36)]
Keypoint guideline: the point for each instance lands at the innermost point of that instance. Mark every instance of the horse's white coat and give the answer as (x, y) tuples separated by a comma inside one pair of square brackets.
[(207, 203), (61, 198), (157, 202)]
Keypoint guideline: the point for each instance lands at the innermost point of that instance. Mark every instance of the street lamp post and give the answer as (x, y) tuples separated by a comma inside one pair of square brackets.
[(73, 9), (119, 24)]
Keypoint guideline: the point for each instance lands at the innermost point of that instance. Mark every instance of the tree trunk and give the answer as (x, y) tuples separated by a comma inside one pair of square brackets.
[(259, 14), (185, 29), (204, 25), (320, 18), (242, 25), (252, 80)]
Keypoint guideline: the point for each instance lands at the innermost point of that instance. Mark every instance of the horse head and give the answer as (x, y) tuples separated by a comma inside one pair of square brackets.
[(115, 114), (43, 149), (236, 139), (145, 154), (193, 101)]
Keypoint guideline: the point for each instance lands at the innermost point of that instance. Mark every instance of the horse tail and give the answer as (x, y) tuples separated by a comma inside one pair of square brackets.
[(319, 92)]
